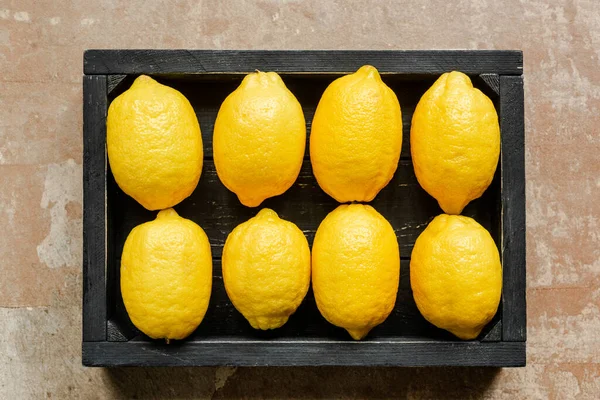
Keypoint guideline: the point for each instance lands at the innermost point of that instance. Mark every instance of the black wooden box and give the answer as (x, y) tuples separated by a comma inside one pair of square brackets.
[(224, 337)]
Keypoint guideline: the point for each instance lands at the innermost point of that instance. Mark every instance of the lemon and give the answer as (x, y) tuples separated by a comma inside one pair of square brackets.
[(154, 144), (454, 141), (259, 139), (356, 136), (356, 268), (266, 269), (166, 276), (456, 276)]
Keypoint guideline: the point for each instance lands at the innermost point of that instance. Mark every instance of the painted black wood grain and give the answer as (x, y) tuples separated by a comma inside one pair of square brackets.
[(115, 332), (114, 81), (493, 332), (94, 184), (492, 81), (217, 210), (306, 353), (293, 61), (513, 208)]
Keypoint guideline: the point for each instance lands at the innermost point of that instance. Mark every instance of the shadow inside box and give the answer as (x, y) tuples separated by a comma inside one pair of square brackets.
[(301, 382)]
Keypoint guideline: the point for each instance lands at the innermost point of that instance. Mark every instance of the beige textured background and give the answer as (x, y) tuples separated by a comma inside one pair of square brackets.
[(41, 45)]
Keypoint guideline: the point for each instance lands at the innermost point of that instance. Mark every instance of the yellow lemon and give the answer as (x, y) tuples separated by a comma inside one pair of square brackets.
[(166, 276), (454, 141), (456, 276), (356, 136), (356, 268), (266, 269), (154, 144), (259, 139)]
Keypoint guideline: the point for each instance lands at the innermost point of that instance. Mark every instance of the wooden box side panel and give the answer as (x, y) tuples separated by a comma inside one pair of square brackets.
[(391, 353), (94, 208), (507, 62), (514, 307)]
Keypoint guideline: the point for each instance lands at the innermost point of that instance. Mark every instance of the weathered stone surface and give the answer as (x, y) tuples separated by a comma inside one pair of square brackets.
[(41, 46)]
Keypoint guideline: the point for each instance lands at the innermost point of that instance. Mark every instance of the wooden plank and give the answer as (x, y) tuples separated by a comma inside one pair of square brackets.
[(299, 61), (307, 353), (218, 211), (514, 322), (94, 190)]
